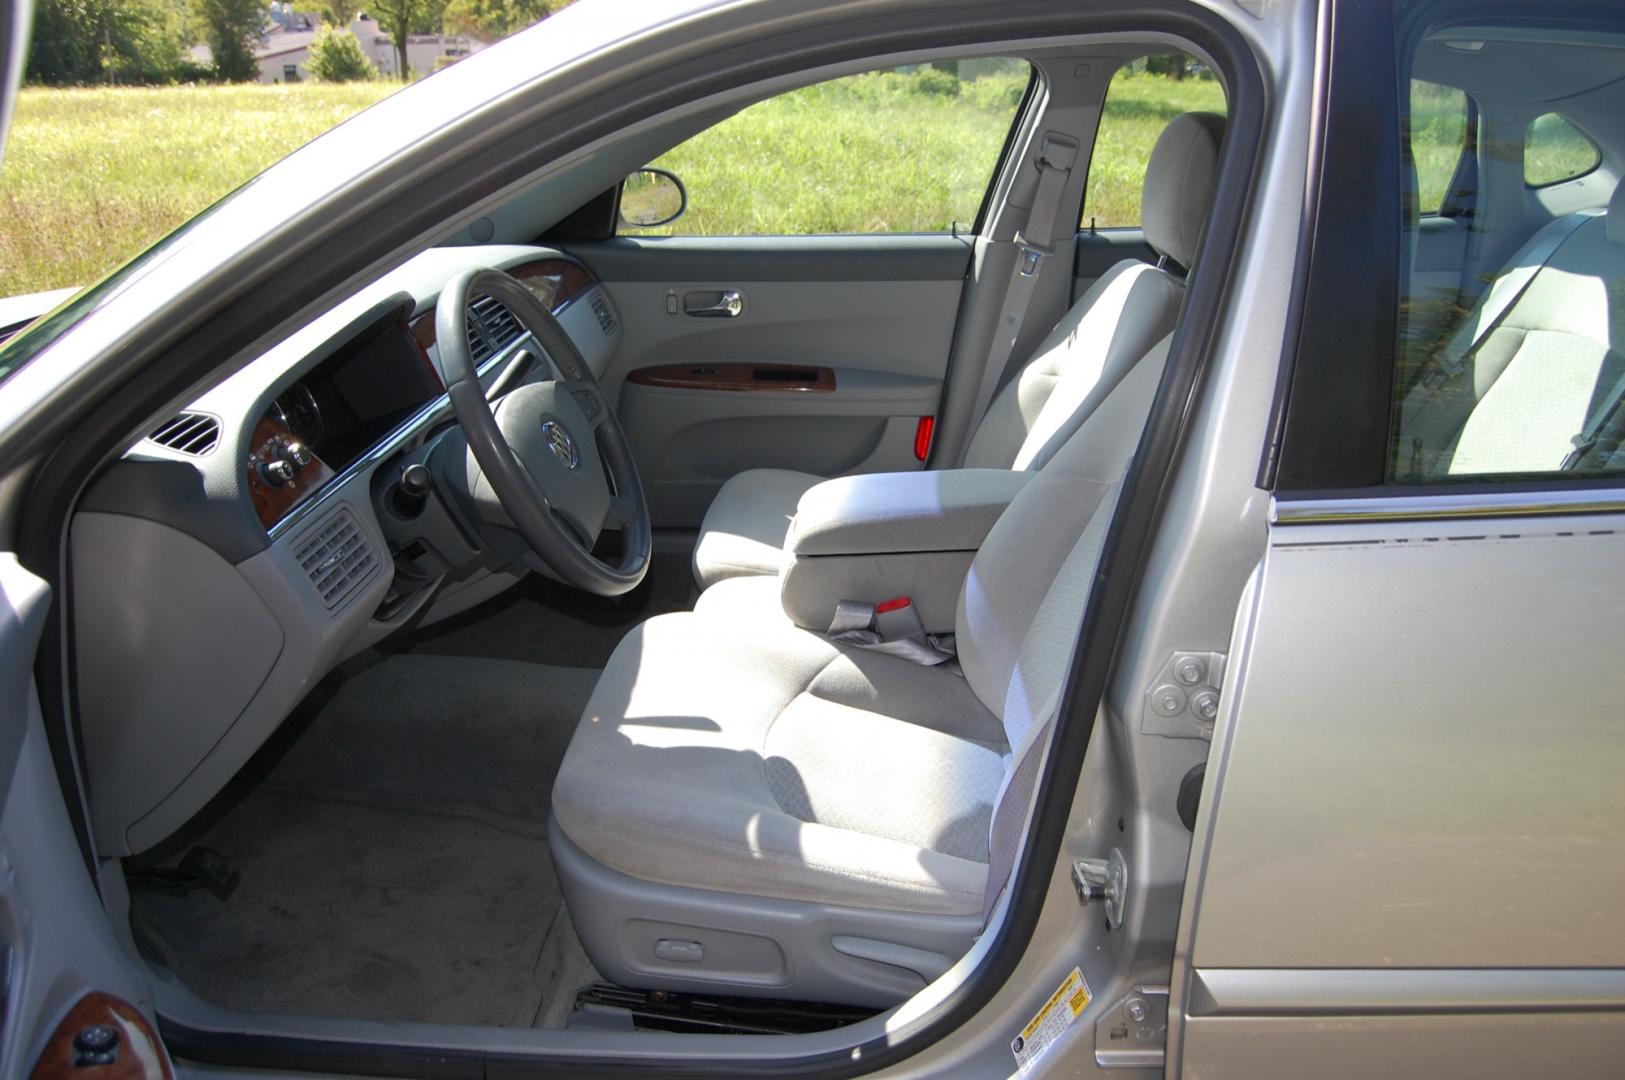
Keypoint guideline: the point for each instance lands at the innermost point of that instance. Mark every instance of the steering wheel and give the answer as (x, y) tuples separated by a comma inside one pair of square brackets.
[(550, 460)]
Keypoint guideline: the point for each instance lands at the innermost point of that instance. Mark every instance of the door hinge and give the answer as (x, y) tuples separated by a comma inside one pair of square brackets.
[(1103, 881), (1133, 1034)]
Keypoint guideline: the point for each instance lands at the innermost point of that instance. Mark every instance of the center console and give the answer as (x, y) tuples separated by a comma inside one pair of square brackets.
[(883, 535)]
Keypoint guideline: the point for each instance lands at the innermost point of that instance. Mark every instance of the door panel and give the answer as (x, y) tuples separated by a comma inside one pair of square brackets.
[(877, 311), (56, 947), (1417, 772)]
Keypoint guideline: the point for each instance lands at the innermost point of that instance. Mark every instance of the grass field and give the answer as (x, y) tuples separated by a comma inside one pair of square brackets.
[(93, 176)]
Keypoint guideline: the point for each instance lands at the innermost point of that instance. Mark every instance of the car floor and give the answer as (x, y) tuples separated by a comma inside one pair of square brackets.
[(392, 842)]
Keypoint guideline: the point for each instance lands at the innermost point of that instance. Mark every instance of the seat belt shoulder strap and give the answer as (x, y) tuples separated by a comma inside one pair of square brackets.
[(1035, 242)]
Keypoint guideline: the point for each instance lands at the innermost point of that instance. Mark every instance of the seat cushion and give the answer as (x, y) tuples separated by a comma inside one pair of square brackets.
[(744, 530), (760, 759), (744, 600)]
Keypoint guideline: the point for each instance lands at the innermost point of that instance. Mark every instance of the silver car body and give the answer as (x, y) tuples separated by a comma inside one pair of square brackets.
[(1409, 856)]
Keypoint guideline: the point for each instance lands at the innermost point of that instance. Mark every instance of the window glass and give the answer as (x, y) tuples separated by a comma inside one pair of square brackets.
[(900, 151), (1554, 150), (1142, 98), (1438, 137), (1527, 377)]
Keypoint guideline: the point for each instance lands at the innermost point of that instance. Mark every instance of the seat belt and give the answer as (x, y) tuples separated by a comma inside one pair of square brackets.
[(1034, 243), (891, 626), (1607, 409)]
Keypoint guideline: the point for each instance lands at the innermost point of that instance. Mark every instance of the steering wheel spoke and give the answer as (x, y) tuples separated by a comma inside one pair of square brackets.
[(623, 511)]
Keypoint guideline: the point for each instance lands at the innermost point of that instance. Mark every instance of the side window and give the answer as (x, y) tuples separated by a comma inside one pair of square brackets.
[(928, 138), (1554, 150), (1438, 140), (1528, 379), (1143, 96)]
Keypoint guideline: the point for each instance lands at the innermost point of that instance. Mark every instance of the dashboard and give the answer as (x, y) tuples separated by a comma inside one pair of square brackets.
[(259, 537), (375, 380)]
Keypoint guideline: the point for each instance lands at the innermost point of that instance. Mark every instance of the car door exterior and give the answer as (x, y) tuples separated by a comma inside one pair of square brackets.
[(1410, 857)]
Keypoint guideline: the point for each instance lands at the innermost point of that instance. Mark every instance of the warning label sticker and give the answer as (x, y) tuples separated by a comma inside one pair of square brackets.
[(1063, 1007)]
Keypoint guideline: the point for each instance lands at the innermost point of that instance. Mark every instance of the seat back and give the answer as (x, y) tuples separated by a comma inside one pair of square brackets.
[(1117, 320), (1014, 659), (1538, 362)]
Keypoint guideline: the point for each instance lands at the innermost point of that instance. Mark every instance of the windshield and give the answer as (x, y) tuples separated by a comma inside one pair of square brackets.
[(114, 149)]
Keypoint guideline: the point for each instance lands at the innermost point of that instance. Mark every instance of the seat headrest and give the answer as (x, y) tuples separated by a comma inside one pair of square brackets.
[(1616, 214), (1179, 184)]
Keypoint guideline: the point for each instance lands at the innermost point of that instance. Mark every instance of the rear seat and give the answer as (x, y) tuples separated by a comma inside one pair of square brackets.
[(1532, 380)]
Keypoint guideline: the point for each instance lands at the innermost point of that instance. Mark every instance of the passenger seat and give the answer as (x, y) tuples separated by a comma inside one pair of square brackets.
[(1111, 327)]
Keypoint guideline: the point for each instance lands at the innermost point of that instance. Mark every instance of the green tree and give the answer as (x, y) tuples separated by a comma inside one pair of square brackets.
[(336, 56), (233, 29), (491, 19), (402, 18), (339, 13), (87, 41)]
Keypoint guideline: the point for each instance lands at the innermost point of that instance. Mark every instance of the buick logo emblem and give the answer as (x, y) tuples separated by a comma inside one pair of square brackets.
[(559, 441)]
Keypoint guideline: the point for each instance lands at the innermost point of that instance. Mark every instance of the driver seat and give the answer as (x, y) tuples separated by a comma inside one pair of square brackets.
[(749, 808)]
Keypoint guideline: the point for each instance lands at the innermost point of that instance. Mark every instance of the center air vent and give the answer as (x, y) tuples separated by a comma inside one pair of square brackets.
[(337, 558), (600, 308), (192, 433), (491, 328)]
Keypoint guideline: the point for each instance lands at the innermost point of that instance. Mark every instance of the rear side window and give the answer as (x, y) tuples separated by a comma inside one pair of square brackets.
[(928, 138), (1528, 378), (1142, 98), (1554, 150), (1438, 140)]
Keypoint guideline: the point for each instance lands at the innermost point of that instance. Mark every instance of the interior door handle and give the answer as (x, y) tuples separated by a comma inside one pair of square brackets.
[(714, 305)]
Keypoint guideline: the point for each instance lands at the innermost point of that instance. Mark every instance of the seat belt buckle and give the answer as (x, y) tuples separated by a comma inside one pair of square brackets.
[(1445, 368), (1031, 254), (890, 626), (896, 619)]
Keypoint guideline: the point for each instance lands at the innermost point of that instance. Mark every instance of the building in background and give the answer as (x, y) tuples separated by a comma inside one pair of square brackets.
[(283, 53)]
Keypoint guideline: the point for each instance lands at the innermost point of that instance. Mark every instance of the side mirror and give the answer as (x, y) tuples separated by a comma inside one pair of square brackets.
[(651, 198)]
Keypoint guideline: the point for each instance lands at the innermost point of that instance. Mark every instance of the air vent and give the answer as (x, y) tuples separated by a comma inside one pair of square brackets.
[(191, 433), (337, 558), (600, 308), (500, 328), (478, 350)]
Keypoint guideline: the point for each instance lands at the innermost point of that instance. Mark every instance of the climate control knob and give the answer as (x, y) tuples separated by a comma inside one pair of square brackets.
[(278, 471)]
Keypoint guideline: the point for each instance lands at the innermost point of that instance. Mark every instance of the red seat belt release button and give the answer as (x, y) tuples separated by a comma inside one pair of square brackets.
[(894, 604)]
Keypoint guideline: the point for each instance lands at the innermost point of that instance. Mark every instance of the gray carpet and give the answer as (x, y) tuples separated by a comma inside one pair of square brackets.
[(394, 861)]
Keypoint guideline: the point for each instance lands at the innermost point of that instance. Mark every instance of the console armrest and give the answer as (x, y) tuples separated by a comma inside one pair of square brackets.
[(884, 535)]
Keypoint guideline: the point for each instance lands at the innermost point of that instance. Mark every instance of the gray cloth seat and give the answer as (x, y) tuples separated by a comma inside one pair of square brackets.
[(737, 780), (1108, 329), (1540, 363)]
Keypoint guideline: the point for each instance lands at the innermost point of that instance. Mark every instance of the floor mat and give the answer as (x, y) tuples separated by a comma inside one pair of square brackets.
[(394, 860)]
